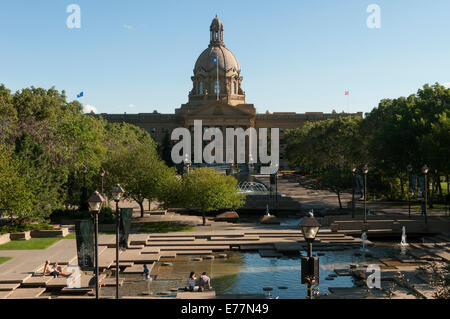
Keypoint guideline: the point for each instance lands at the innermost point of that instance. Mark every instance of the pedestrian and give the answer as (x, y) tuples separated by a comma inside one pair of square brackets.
[(146, 272)]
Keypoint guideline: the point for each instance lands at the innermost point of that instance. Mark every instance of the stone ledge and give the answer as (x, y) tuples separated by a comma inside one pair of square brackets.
[(50, 233), (21, 236), (4, 238)]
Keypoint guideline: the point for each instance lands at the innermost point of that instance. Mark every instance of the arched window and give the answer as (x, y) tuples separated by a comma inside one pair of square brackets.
[(200, 88), (233, 88)]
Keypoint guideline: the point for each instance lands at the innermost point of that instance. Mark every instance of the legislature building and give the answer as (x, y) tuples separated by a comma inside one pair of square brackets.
[(218, 99)]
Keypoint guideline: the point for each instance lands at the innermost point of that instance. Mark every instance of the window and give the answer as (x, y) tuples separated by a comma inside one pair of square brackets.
[(233, 88), (200, 88), (153, 130)]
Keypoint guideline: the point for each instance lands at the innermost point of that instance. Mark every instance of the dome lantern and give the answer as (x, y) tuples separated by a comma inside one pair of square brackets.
[(216, 30)]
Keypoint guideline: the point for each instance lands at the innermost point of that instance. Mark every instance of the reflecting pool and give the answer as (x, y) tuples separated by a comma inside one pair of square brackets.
[(247, 273)]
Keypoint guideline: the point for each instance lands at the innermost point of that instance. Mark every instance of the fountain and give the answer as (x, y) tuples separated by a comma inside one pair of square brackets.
[(269, 219), (363, 242), (403, 241)]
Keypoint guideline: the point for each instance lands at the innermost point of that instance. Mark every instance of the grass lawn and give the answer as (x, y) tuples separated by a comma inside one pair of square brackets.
[(32, 244), (164, 227), (4, 259)]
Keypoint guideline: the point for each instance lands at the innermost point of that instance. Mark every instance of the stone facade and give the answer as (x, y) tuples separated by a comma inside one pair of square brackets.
[(217, 98)]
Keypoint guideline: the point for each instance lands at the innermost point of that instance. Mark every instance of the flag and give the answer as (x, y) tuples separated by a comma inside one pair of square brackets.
[(125, 218), (80, 95), (84, 230), (347, 92)]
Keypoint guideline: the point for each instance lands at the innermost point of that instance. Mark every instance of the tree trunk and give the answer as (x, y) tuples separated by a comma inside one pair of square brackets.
[(402, 187), (204, 218), (430, 196), (339, 199), (141, 205)]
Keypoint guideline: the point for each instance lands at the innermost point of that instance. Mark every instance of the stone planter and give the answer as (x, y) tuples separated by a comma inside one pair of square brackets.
[(227, 217), (4, 238), (62, 232), (269, 220), (21, 236)]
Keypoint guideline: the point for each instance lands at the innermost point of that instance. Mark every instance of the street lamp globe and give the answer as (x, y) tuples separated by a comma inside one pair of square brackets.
[(117, 192), (425, 169), (95, 202), (310, 227), (365, 169), (102, 172)]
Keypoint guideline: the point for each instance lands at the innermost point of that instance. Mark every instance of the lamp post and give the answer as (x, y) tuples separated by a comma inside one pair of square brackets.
[(353, 189), (310, 265), (117, 193), (365, 171), (409, 167), (96, 202), (102, 174), (425, 171), (276, 187)]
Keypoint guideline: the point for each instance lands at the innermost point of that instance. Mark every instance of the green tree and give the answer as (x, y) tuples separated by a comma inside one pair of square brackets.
[(208, 190), (328, 149), (139, 171), (16, 198)]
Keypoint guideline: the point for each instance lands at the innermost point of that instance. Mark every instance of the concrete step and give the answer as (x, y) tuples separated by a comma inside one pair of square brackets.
[(150, 250), (164, 239), (181, 248), (226, 238), (5, 294), (13, 278), (193, 252), (37, 281), (23, 293), (137, 269), (9, 287)]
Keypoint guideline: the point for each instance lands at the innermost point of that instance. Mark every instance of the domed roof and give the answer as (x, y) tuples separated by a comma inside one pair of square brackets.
[(226, 59)]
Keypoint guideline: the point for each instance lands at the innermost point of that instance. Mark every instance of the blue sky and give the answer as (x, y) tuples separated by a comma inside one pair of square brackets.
[(296, 56)]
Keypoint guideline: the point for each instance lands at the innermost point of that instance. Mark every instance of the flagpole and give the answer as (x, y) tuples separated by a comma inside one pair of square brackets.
[(218, 87)]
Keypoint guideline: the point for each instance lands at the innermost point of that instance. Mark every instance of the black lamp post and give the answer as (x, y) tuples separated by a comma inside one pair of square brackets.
[(310, 265), (117, 193), (102, 174), (409, 167), (365, 171), (425, 171), (353, 189), (96, 202)]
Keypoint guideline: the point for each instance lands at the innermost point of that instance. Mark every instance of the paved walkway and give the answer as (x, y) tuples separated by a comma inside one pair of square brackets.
[(26, 261)]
